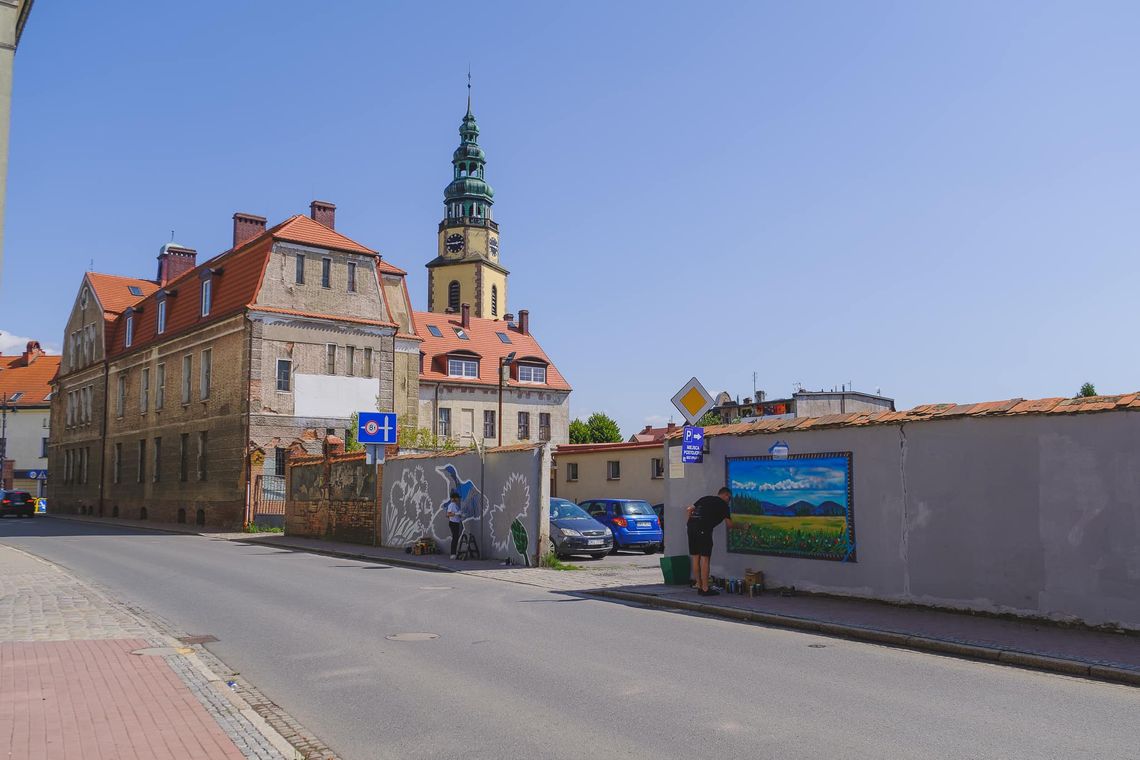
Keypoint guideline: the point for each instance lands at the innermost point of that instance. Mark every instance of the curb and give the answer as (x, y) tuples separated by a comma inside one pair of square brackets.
[(981, 652)]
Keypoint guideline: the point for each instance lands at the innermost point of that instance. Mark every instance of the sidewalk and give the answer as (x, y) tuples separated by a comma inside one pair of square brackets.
[(1042, 645), (84, 676)]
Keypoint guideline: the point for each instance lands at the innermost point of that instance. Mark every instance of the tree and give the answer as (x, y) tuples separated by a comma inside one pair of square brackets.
[(1088, 389), (598, 428), (711, 417), (350, 442), (423, 439)]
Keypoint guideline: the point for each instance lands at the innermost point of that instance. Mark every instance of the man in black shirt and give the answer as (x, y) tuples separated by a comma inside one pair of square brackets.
[(707, 513)]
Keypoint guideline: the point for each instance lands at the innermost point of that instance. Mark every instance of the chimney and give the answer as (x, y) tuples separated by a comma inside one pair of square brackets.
[(323, 212), (175, 261), (32, 352), (247, 227), (670, 427), (465, 319), (524, 321), (647, 429)]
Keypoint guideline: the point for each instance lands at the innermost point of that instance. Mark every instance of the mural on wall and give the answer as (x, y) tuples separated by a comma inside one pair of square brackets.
[(801, 506), (503, 525)]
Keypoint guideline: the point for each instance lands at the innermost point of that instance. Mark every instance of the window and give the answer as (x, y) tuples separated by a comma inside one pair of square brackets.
[(83, 298), (368, 362), (144, 390), (349, 360), (117, 465), (613, 470), (160, 387), (462, 368), (330, 359), (488, 423), (202, 441), (130, 330), (453, 295), (142, 460), (444, 423), (503, 337), (16, 396), (44, 447), (571, 472), (67, 466), (204, 371), (326, 273), (284, 370), (187, 373), (121, 398), (524, 425), (86, 398), (83, 459), (183, 454), (657, 468), (162, 316), (300, 269), (279, 461), (529, 373), (134, 290), (544, 426), (461, 333), (207, 287), (494, 300), (435, 331), (157, 464), (352, 277), (71, 408)]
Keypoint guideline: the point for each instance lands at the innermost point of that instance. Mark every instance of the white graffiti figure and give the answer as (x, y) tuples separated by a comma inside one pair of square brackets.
[(514, 505), (415, 514)]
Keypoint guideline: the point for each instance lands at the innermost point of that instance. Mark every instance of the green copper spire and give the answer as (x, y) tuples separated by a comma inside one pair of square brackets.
[(468, 195)]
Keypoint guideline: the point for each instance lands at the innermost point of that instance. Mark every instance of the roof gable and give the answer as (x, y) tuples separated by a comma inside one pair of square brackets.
[(302, 229), (114, 292)]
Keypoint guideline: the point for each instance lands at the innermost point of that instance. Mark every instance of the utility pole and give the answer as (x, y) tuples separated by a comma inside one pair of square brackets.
[(504, 363), (3, 438)]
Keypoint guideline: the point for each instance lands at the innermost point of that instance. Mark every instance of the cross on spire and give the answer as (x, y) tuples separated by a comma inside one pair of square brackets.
[(468, 89)]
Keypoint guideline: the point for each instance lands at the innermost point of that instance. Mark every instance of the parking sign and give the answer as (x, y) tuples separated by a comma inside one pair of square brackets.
[(693, 445)]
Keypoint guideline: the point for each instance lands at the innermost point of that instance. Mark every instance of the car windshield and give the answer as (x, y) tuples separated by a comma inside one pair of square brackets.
[(18, 496), (634, 508), (566, 510)]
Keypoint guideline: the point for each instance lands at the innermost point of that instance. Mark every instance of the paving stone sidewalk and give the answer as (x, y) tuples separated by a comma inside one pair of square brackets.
[(84, 676)]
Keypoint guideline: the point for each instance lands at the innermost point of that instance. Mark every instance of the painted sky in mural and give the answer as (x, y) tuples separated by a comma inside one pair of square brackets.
[(785, 482)]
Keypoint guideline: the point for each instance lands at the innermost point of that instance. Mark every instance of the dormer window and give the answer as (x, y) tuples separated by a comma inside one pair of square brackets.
[(462, 367), (162, 316), (207, 287), (532, 373), (130, 336)]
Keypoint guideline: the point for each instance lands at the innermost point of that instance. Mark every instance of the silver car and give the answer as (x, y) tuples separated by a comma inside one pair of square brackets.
[(572, 531)]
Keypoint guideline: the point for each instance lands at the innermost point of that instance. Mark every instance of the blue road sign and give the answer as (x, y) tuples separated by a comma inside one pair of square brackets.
[(693, 445), (376, 427)]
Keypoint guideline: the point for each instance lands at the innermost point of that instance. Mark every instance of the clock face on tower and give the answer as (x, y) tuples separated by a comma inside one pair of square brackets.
[(493, 244), (454, 243)]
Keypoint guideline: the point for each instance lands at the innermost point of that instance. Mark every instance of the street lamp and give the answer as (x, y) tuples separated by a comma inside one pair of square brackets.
[(505, 362)]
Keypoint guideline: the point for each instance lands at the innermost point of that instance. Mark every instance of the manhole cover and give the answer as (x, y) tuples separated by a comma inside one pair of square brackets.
[(162, 651), (436, 588), (412, 636), (201, 638), (817, 646)]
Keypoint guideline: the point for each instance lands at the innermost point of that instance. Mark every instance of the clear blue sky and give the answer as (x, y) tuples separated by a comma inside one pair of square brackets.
[(939, 201)]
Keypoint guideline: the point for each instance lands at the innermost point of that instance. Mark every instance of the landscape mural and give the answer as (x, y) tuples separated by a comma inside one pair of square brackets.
[(795, 507)]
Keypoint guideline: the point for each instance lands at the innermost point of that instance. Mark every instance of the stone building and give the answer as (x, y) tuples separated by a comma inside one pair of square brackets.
[(624, 470), (25, 401), (189, 386), (801, 404)]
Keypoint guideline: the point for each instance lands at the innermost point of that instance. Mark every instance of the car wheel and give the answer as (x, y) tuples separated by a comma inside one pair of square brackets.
[(597, 556), (615, 549), (652, 549)]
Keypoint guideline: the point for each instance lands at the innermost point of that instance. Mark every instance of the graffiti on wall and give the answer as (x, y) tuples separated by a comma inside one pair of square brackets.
[(801, 506), (499, 522)]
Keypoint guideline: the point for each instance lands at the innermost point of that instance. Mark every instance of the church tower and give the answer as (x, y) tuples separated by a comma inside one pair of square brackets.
[(466, 268)]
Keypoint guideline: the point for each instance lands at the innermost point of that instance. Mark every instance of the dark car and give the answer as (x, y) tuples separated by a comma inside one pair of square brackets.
[(572, 531), (633, 521), (17, 503)]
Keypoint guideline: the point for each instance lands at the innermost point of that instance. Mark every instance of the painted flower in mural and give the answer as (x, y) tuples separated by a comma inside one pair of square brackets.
[(414, 515), (514, 503), (518, 533)]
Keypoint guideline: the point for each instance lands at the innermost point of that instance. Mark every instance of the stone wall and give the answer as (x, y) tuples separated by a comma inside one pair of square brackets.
[(505, 500), (1029, 514), (332, 498)]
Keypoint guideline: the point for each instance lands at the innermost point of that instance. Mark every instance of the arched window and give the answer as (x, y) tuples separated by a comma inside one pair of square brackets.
[(453, 295), (494, 300)]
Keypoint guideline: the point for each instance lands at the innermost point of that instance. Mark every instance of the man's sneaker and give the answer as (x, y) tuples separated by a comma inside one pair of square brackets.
[(710, 592), (453, 556)]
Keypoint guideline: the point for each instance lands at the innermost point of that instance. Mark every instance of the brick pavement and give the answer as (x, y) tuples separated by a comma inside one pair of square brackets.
[(71, 687)]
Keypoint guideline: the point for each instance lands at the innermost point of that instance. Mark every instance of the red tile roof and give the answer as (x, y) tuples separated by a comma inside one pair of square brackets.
[(302, 229), (386, 268), (1009, 408), (652, 434), (114, 292), (590, 448), (32, 380), (483, 342)]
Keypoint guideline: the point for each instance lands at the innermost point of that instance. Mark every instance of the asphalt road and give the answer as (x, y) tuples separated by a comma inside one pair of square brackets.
[(519, 672)]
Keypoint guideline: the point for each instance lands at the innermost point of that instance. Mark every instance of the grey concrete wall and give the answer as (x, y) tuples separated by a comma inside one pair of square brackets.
[(1034, 515), (506, 504)]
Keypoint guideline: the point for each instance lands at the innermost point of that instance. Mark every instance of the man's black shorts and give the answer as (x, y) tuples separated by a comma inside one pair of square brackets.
[(700, 539)]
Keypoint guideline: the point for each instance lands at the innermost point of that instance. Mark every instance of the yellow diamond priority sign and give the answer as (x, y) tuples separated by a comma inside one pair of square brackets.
[(693, 401)]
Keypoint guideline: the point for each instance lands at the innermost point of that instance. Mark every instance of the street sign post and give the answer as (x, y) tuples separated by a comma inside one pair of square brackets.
[(376, 430), (693, 401), (693, 445)]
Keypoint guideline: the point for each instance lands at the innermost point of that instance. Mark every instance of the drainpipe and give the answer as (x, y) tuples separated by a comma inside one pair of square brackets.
[(248, 408), (103, 432)]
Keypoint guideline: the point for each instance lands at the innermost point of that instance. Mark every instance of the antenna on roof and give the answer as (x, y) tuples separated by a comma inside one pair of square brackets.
[(91, 267), (172, 236)]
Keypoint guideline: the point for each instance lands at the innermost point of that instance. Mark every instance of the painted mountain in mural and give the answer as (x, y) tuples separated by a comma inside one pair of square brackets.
[(801, 508)]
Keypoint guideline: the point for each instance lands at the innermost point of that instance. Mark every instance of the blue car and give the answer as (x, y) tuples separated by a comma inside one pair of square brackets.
[(633, 522)]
